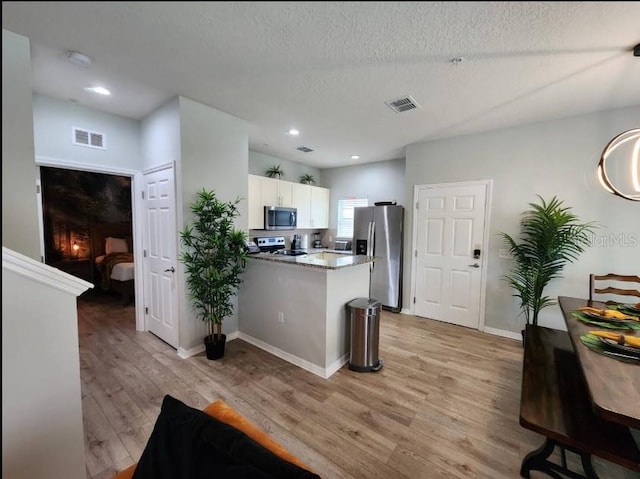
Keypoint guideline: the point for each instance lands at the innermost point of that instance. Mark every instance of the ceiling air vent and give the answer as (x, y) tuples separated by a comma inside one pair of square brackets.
[(304, 149), (92, 139), (400, 105)]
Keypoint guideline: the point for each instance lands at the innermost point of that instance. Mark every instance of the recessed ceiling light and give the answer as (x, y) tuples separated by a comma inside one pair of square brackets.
[(293, 132), (100, 90), (355, 157), (79, 59)]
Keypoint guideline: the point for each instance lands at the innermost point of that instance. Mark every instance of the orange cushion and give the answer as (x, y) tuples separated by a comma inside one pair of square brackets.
[(126, 474), (226, 414)]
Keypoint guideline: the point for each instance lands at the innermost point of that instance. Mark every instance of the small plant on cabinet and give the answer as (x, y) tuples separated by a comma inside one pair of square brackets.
[(275, 171), (307, 179)]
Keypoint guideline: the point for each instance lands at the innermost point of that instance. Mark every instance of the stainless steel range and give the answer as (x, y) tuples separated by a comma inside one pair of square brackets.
[(276, 245), (270, 244)]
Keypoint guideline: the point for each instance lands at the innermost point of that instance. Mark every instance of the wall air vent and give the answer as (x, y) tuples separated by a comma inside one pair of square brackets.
[(400, 105), (91, 139), (304, 149)]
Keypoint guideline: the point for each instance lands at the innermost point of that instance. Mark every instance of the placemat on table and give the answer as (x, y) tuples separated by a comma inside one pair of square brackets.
[(605, 324), (594, 344)]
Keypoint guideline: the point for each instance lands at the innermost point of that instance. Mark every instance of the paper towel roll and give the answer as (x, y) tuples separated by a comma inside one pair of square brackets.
[(304, 244)]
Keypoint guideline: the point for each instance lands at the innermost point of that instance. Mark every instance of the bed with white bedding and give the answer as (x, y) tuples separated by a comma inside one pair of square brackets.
[(121, 271), (113, 259)]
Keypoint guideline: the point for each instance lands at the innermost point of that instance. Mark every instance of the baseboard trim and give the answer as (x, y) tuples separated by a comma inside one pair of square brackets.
[(187, 353), (337, 365), (406, 311), (504, 333), (324, 373)]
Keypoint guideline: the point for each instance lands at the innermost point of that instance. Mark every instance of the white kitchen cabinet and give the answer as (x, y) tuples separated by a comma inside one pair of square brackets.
[(276, 192), (285, 192), (302, 201), (254, 200), (312, 202), (319, 207)]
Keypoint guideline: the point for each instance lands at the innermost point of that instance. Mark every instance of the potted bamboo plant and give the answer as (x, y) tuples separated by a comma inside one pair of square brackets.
[(214, 257), (551, 237)]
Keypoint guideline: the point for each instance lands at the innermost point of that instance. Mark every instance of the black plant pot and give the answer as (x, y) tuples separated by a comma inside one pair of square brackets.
[(215, 349)]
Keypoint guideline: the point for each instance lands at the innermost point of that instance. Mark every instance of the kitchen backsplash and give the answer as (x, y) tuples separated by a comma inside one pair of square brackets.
[(327, 236)]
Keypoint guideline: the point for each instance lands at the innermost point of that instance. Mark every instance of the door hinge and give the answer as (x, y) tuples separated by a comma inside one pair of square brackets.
[(142, 194), (144, 253), (414, 300), (416, 255), (37, 189), (417, 205), (146, 309)]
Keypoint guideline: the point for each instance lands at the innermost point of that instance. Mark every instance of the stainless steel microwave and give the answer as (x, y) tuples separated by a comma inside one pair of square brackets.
[(280, 218)]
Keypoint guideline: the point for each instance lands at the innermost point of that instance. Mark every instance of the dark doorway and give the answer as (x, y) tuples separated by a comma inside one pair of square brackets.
[(74, 202)]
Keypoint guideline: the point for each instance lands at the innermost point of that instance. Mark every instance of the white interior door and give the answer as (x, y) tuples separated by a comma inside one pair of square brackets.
[(450, 226), (160, 255)]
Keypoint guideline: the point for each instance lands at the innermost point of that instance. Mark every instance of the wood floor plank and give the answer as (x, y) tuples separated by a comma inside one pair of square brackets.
[(445, 405), (417, 467), (104, 450), (353, 460), (341, 424)]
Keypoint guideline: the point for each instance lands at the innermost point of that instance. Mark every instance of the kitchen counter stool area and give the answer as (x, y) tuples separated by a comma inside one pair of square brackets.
[(299, 313)]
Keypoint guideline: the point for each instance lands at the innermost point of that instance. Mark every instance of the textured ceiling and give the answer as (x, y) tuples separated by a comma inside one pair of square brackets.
[(327, 68)]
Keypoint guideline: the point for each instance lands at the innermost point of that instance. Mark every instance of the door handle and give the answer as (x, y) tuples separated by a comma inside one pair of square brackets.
[(170, 270), (476, 265)]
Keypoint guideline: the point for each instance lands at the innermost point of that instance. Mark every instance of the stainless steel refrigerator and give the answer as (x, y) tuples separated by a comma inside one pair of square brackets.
[(377, 231)]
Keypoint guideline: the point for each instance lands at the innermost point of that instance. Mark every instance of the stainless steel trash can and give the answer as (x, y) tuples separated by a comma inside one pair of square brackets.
[(365, 331)]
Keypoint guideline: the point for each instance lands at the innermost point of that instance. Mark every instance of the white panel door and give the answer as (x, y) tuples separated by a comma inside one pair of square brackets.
[(450, 226), (160, 261)]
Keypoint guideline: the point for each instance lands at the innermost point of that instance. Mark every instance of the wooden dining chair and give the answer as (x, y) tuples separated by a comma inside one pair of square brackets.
[(606, 284)]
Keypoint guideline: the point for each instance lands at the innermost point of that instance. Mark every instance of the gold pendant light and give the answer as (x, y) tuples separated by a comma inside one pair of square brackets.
[(630, 138)]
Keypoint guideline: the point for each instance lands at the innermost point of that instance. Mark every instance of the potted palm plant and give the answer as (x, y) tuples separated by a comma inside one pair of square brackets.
[(551, 237), (275, 171), (214, 258), (307, 179)]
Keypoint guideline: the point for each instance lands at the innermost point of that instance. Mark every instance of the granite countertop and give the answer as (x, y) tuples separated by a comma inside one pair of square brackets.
[(317, 258)]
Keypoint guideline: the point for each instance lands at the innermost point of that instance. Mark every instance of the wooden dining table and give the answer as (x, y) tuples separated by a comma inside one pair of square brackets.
[(613, 385)]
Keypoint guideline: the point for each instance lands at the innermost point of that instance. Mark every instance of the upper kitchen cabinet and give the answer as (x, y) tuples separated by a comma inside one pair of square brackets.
[(256, 208), (302, 201), (276, 192), (312, 202), (319, 207)]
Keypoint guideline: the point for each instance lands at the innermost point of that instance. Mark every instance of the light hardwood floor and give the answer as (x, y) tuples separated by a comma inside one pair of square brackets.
[(445, 405)]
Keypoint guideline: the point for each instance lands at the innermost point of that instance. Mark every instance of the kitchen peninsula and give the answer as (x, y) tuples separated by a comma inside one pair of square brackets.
[(295, 306)]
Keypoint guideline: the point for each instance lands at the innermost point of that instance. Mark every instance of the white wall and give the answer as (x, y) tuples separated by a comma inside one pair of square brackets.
[(214, 155), (42, 433), (20, 230), (380, 181), (259, 163), (53, 120), (160, 136), (551, 158)]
